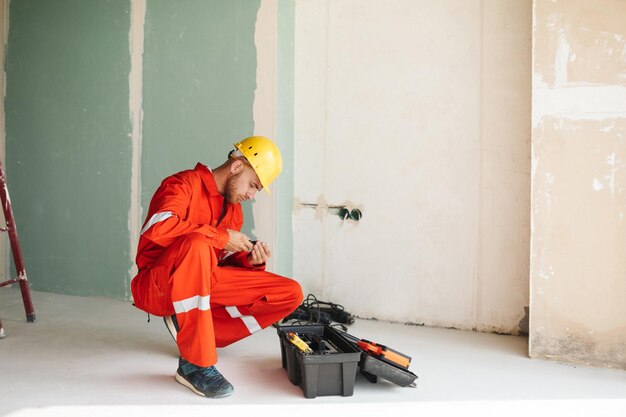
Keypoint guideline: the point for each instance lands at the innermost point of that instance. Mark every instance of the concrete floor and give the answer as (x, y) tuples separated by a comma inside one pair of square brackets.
[(97, 356)]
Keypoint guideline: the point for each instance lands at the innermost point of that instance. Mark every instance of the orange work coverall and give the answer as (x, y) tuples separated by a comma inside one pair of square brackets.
[(218, 297)]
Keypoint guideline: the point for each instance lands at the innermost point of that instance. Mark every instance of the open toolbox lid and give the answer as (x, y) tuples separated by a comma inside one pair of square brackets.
[(374, 366)]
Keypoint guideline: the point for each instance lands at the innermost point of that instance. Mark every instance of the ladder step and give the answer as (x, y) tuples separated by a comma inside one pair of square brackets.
[(11, 281), (9, 226)]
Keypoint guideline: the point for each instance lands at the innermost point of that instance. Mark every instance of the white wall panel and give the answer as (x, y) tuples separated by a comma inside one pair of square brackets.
[(389, 118)]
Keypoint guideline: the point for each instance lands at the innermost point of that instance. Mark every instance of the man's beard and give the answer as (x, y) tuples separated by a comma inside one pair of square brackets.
[(231, 189)]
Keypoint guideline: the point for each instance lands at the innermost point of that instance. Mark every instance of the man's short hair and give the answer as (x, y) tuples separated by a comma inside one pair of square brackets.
[(236, 154)]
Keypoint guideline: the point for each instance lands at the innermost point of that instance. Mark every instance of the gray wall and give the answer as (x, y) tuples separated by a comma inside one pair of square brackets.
[(67, 143), (68, 122), (199, 82)]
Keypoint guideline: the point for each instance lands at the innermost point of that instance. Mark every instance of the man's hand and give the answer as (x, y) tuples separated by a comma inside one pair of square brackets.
[(259, 254), (237, 242)]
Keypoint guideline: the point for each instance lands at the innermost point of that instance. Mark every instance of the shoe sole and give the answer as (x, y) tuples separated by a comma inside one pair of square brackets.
[(186, 383), (169, 323)]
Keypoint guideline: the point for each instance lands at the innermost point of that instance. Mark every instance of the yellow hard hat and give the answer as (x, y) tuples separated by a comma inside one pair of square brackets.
[(264, 157)]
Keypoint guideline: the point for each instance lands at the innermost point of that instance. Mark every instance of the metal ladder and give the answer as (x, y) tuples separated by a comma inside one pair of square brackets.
[(17, 252)]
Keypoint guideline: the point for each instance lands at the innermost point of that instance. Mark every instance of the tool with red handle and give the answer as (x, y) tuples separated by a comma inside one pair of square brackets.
[(385, 353), (381, 352)]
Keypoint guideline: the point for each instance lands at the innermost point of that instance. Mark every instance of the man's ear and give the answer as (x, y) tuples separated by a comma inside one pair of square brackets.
[(236, 167)]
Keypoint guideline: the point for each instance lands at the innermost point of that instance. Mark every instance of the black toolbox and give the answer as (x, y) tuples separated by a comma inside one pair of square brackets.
[(331, 372)]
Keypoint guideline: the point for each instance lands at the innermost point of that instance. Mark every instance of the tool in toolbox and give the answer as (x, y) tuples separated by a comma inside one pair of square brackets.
[(315, 344), (299, 343), (382, 352), (312, 343)]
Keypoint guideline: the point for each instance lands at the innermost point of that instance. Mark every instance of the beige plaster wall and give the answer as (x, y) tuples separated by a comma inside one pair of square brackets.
[(578, 237)]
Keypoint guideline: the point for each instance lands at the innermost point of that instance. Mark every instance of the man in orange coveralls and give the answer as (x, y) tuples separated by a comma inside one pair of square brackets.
[(199, 272)]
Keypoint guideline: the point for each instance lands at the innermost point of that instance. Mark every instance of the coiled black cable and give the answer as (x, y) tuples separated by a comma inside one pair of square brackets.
[(316, 311)]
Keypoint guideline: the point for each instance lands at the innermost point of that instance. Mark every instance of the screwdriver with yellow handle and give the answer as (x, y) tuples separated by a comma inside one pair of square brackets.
[(299, 343)]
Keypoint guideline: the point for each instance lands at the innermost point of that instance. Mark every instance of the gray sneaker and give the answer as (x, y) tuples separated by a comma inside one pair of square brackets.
[(206, 382)]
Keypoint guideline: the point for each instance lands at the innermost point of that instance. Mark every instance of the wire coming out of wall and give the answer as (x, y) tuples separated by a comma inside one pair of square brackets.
[(342, 211)]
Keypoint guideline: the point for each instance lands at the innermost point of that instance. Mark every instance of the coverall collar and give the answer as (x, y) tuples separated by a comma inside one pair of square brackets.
[(207, 179), (218, 204)]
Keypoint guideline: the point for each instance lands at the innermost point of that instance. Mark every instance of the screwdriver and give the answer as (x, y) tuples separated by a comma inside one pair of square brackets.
[(299, 343)]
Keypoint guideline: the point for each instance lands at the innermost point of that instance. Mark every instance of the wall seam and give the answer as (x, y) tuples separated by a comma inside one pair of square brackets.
[(533, 167), (264, 118), (481, 167), (324, 268), (285, 67), (274, 204), (135, 82), (4, 247)]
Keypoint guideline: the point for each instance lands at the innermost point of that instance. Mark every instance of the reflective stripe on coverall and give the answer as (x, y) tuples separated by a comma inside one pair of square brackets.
[(217, 298)]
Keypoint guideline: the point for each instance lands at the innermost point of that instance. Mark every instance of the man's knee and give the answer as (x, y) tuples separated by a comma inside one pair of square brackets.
[(191, 248), (295, 291), (194, 241)]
